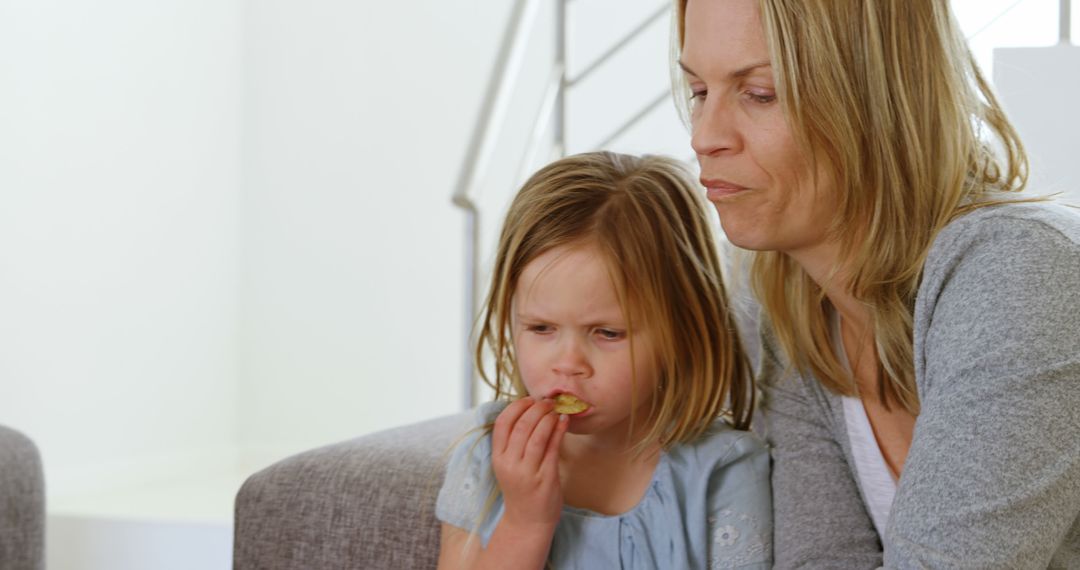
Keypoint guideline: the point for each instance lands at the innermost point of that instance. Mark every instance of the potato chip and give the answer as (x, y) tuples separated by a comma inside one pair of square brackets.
[(569, 404)]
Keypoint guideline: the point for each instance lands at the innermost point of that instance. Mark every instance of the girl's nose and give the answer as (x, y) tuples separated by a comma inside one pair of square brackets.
[(713, 129), (571, 360)]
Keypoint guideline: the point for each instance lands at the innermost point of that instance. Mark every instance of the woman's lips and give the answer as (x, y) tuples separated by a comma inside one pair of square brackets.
[(717, 189)]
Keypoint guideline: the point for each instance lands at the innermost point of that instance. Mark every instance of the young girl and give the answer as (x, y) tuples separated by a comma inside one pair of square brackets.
[(614, 358)]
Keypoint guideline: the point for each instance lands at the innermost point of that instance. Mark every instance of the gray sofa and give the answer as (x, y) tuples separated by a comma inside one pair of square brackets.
[(364, 503), (22, 503)]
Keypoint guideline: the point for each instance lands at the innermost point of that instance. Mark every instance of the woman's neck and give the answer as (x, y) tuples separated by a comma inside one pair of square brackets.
[(893, 426), (824, 264)]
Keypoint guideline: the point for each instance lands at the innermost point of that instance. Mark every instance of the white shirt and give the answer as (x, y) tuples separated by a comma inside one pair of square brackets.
[(874, 478)]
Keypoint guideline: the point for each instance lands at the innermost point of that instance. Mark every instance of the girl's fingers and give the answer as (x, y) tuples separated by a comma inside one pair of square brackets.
[(522, 430), (536, 447), (505, 422), (551, 453)]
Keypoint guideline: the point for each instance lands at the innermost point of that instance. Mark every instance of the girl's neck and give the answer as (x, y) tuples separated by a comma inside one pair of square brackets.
[(605, 479), (618, 439), (588, 445)]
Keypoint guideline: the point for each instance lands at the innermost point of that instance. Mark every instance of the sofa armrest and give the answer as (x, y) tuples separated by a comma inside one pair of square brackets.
[(363, 503), (22, 503)]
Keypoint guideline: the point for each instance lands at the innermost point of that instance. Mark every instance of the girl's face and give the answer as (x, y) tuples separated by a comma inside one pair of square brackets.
[(570, 335), (751, 166)]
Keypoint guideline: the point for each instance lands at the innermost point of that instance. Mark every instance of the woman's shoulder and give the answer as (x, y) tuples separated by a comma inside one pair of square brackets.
[(1009, 221), (1004, 237), (998, 294), (1011, 240)]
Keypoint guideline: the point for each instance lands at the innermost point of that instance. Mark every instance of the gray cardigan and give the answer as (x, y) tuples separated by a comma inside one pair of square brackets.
[(992, 479)]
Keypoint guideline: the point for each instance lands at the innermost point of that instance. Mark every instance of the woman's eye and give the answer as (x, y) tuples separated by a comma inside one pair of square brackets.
[(697, 90), (761, 97)]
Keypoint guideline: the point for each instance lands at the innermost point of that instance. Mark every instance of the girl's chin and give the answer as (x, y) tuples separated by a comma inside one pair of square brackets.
[(584, 414), (580, 424)]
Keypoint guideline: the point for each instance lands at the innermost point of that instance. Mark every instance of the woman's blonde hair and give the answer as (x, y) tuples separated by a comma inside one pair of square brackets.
[(646, 218), (887, 96)]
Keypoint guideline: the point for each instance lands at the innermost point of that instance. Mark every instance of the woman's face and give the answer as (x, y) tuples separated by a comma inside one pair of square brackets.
[(751, 166)]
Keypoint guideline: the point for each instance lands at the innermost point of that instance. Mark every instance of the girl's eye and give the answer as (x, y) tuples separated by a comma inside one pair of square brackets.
[(540, 329), (609, 334)]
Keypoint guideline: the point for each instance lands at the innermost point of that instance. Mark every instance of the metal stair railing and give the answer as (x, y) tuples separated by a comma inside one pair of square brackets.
[(477, 156), (1065, 22)]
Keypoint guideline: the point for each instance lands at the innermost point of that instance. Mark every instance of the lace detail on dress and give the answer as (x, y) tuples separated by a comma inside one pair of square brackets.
[(737, 539)]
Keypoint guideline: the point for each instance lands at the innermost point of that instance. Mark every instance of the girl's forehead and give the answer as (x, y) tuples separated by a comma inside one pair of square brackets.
[(566, 280), (562, 262)]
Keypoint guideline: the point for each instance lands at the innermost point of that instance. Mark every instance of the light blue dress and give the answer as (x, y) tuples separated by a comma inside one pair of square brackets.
[(708, 506)]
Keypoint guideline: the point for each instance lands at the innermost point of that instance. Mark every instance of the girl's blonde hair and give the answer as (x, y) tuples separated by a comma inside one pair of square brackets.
[(645, 216), (887, 96)]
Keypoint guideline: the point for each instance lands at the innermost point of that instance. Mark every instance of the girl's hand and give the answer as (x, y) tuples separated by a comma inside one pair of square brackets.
[(525, 457)]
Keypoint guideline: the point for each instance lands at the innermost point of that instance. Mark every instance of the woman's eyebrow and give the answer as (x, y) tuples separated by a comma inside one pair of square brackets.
[(738, 73), (687, 70)]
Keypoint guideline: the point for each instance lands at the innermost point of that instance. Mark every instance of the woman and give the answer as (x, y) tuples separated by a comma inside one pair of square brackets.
[(921, 345)]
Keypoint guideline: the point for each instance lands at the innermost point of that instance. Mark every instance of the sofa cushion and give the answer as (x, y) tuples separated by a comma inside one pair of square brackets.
[(22, 503), (364, 503)]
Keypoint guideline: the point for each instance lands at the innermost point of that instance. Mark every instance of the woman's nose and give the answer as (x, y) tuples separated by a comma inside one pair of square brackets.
[(713, 129)]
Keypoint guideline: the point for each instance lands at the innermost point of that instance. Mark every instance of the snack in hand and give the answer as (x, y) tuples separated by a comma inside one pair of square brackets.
[(569, 404)]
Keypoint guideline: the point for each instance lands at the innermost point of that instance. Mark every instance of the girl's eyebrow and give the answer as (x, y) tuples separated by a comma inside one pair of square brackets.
[(738, 73), (610, 322)]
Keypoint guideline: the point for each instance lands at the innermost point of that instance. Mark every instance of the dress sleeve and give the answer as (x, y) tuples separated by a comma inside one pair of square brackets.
[(819, 517), (740, 507), (992, 479), (467, 498)]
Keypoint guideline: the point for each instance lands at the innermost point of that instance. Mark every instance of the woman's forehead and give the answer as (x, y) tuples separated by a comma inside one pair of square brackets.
[(723, 38)]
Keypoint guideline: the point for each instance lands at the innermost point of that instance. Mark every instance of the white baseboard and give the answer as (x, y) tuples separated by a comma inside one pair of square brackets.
[(97, 543)]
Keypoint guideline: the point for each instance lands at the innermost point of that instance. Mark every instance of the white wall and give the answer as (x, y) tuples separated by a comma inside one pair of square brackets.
[(1037, 80), (119, 159), (357, 115), (225, 233), (992, 24), (228, 226), (125, 544), (601, 103), (1039, 88)]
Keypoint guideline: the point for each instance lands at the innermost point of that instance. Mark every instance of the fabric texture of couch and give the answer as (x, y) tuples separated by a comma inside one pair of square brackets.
[(22, 503), (363, 503)]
